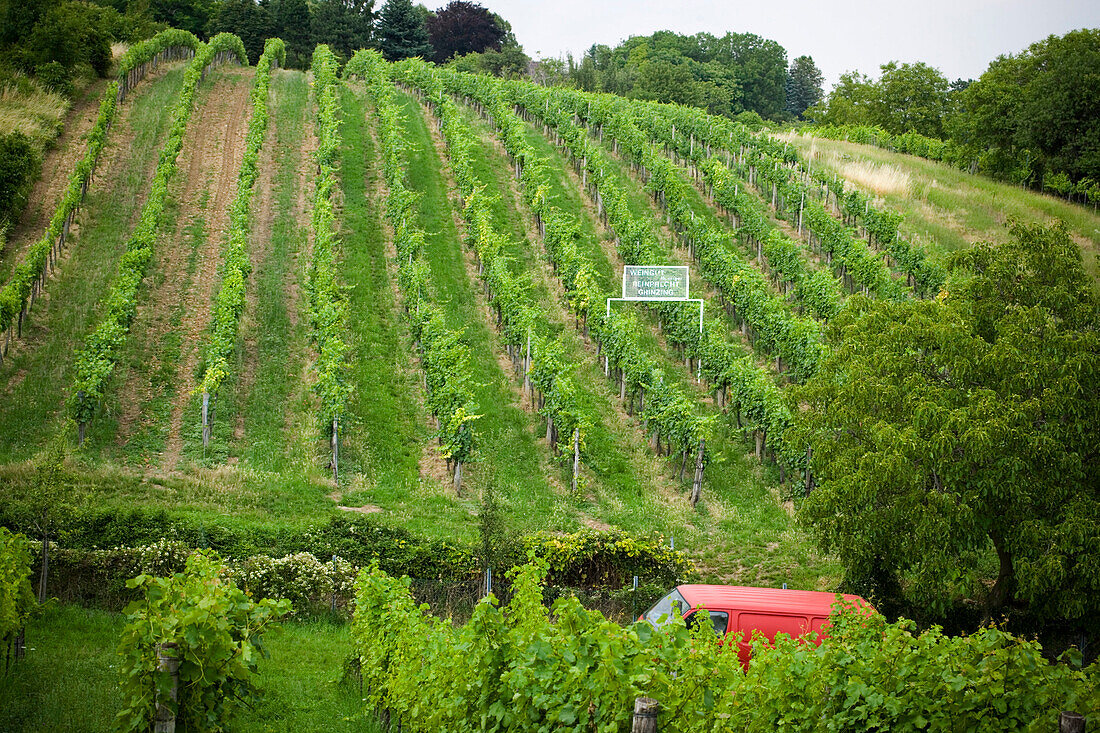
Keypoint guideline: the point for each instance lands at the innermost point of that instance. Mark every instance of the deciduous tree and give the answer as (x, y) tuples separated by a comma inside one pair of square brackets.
[(461, 28), (959, 434)]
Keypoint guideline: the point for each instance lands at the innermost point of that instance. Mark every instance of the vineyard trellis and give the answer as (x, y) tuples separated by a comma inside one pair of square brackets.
[(230, 300), (96, 360), (29, 278)]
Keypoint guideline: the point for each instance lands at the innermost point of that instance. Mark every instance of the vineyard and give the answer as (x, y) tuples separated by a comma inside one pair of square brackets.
[(363, 311)]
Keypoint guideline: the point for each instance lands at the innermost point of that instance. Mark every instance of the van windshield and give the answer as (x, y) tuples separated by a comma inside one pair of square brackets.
[(663, 610)]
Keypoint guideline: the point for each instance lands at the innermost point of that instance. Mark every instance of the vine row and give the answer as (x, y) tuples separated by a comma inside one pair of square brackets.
[(444, 353), (764, 160), (29, 278), (95, 362), (746, 391), (236, 266), (328, 308)]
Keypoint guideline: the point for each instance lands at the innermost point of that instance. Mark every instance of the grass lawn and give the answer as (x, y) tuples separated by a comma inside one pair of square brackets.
[(69, 679)]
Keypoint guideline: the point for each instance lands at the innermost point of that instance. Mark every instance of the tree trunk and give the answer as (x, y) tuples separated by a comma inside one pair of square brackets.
[(458, 478), (697, 484), (43, 577), (1002, 590)]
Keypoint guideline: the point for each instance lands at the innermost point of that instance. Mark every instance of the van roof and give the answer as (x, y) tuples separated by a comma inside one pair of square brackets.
[(744, 598)]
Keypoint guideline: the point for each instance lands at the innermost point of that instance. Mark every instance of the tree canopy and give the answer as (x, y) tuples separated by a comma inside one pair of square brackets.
[(803, 85), (345, 25), (955, 436), (905, 98), (1038, 111), (461, 28), (401, 32), (727, 75)]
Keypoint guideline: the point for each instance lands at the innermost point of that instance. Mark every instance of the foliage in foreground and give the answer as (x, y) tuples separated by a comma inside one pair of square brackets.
[(16, 596), (522, 668), (217, 632)]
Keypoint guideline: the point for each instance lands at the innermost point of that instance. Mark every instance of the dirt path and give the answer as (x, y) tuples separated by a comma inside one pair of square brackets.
[(299, 426), (186, 270), (263, 223)]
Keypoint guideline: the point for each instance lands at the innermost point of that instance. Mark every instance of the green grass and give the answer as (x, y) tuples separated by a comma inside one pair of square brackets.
[(507, 433), (947, 209), (277, 408), (69, 679), (386, 426), (37, 373), (275, 475)]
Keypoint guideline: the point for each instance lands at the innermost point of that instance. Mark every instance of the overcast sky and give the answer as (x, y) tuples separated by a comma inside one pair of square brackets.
[(960, 37)]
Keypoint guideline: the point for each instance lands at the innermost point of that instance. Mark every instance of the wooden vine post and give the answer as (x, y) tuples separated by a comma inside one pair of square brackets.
[(645, 715), (576, 456), (165, 721), (1070, 722), (205, 419), (697, 482), (335, 450), (83, 424)]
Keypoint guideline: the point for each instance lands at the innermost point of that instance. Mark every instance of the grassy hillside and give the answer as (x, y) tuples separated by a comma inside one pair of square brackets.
[(945, 208)]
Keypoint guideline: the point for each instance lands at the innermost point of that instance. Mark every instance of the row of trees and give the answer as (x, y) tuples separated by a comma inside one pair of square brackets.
[(1032, 117), (736, 73), (399, 29)]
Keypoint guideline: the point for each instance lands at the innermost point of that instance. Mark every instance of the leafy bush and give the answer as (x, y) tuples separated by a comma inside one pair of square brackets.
[(55, 77), (16, 596), (520, 668), (594, 559), (20, 162), (216, 633)]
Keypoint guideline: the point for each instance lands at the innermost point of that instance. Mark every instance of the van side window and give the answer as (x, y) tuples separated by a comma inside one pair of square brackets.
[(719, 620)]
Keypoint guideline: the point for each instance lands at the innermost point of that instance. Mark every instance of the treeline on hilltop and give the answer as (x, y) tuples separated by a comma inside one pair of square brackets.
[(727, 75), (1032, 118), (76, 32)]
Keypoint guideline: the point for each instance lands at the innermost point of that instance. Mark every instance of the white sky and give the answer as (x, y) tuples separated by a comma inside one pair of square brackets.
[(959, 37)]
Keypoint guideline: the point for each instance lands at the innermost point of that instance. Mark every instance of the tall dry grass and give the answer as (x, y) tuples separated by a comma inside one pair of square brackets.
[(33, 111), (882, 179)]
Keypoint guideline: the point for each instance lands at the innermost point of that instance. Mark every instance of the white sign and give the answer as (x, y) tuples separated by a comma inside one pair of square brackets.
[(655, 282)]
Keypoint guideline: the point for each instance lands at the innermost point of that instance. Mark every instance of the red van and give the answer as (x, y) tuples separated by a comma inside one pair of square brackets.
[(732, 608)]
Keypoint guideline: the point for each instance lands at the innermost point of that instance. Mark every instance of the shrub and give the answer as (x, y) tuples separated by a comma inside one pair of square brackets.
[(55, 77), (20, 162), (520, 668), (16, 596), (217, 635)]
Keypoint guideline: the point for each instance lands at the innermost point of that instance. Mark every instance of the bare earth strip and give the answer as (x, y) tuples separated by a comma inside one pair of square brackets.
[(41, 362), (299, 424), (177, 301), (263, 220), (217, 157)]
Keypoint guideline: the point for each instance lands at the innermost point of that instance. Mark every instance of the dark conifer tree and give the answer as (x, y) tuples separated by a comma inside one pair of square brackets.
[(401, 32)]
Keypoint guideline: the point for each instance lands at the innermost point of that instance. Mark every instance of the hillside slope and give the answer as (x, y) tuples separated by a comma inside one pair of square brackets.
[(947, 209)]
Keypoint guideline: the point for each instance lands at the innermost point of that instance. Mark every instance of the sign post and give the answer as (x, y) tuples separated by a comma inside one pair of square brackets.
[(657, 283)]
